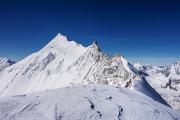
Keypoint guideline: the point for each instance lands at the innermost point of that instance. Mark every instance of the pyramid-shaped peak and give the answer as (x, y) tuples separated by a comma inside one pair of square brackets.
[(61, 42), (58, 41), (59, 37), (95, 46), (95, 42)]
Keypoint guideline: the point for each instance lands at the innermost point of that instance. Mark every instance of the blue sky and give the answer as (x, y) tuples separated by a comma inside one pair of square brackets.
[(147, 31)]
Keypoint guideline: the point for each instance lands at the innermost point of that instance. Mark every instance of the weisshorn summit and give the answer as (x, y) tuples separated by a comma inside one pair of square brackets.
[(63, 63)]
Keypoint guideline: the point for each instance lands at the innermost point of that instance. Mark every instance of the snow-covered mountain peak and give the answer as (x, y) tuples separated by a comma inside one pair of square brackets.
[(95, 46), (175, 68), (57, 42), (60, 37), (61, 43), (126, 64)]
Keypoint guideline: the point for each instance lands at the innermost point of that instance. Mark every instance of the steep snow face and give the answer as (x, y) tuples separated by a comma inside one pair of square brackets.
[(166, 81), (143, 86), (62, 48), (4, 62), (96, 102), (34, 73)]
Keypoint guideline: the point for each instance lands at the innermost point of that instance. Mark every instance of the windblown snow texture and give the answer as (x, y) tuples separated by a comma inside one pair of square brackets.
[(88, 102), (5, 63)]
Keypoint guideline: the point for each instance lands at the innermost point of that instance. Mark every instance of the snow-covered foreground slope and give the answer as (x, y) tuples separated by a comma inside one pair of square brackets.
[(64, 63), (144, 87), (4, 62), (166, 81), (88, 102)]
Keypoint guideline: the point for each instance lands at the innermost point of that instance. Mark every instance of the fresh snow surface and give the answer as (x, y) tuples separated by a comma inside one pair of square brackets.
[(38, 71), (88, 102), (165, 80), (143, 86), (4, 62)]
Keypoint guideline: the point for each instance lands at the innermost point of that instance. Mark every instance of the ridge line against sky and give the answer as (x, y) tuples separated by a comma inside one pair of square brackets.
[(143, 31)]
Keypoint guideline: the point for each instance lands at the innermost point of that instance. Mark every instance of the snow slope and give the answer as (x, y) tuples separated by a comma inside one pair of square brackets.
[(165, 80), (4, 62), (88, 102), (36, 72), (143, 86)]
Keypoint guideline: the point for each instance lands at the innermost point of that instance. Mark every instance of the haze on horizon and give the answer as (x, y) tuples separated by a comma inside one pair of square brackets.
[(143, 31)]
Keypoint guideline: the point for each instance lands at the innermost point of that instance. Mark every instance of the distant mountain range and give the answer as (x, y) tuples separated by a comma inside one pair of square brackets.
[(166, 80)]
